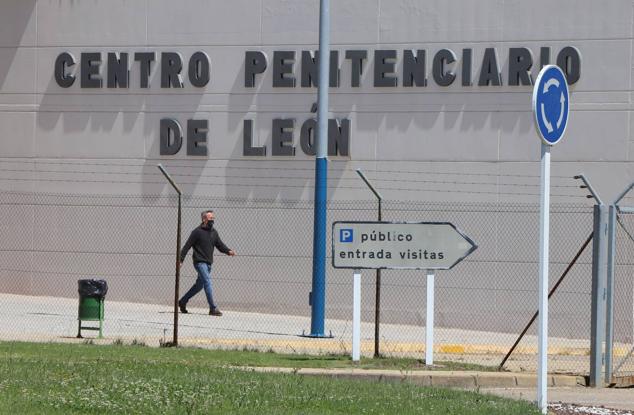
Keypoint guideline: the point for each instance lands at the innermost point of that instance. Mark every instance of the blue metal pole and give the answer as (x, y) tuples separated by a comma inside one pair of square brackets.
[(318, 295)]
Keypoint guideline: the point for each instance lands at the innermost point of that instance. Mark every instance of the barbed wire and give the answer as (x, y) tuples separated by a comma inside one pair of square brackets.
[(280, 177), (306, 186), (170, 163)]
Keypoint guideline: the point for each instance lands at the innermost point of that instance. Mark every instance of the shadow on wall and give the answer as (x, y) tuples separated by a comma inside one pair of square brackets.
[(287, 178), (133, 112), (15, 16)]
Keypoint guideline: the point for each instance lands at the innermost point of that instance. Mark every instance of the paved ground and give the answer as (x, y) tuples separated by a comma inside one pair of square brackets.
[(621, 399), (55, 319)]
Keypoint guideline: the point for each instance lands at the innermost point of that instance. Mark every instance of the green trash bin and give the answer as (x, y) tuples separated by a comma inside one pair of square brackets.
[(91, 304)]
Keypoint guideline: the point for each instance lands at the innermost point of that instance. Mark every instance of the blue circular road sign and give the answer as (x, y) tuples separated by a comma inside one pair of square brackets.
[(551, 103)]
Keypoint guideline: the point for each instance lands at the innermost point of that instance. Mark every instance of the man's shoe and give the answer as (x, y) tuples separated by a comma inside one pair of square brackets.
[(215, 312), (183, 308)]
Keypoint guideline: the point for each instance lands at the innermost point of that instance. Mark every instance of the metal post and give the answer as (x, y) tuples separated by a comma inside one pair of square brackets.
[(544, 220), (178, 250), (318, 294), (609, 300), (377, 294), (356, 316), (597, 322), (178, 272), (429, 322), (598, 294), (377, 301)]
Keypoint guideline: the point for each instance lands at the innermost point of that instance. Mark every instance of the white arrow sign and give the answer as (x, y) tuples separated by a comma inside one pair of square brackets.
[(562, 101), (398, 245)]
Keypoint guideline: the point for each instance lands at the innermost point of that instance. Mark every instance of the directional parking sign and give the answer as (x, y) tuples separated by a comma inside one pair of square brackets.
[(551, 102), (398, 245)]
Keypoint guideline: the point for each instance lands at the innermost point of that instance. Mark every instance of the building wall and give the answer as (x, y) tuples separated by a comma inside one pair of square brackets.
[(449, 144), (443, 129)]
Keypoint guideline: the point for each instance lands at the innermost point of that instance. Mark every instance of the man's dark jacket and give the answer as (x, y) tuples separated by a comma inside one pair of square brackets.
[(203, 240)]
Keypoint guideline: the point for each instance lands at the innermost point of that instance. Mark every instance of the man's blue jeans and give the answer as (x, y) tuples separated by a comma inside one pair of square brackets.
[(203, 281)]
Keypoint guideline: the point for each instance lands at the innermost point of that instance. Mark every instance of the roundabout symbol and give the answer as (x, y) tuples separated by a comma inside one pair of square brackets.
[(551, 104)]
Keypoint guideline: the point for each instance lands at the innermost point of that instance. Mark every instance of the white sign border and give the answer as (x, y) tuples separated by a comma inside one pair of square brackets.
[(535, 109)]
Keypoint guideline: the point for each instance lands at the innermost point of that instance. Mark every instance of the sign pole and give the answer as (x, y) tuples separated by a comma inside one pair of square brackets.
[(318, 293), (429, 322), (551, 108), (356, 316), (544, 226)]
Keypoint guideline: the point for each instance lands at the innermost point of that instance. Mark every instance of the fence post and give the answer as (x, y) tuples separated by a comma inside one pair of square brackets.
[(597, 324), (178, 249), (609, 318), (377, 291), (609, 301)]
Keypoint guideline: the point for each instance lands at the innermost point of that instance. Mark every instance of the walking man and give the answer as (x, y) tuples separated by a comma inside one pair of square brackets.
[(203, 239)]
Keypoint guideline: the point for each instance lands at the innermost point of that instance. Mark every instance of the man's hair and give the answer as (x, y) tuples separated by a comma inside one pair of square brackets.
[(204, 212)]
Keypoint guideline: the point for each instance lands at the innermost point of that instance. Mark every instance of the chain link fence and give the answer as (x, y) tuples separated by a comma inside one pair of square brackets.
[(49, 241), (623, 346)]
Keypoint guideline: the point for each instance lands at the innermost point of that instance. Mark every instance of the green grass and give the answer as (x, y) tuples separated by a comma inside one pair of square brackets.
[(69, 379), (244, 357)]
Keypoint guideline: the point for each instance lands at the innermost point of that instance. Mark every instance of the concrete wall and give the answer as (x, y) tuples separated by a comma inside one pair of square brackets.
[(448, 144), (432, 129)]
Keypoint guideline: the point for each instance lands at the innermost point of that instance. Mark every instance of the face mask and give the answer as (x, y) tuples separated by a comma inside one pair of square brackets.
[(210, 224)]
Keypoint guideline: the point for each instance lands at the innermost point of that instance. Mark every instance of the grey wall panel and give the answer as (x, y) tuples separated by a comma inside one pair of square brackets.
[(98, 23), (435, 136), (404, 20), (18, 102), (66, 229), (586, 137), (18, 134), (364, 129), (15, 238), (567, 19), (630, 133), (89, 135), (595, 136), (16, 272), (605, 65), (17, 70), (296, 22), (17, 23), (284, 18), (411, 21), (204, 22)]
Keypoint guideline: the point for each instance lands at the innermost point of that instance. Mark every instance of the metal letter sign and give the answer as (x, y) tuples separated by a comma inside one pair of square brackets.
[(398, 245), (551, 104)]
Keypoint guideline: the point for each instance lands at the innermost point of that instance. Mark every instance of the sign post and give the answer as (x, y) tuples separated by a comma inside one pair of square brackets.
[(429, 322), (397, 245), (551, 108), (356, 316)]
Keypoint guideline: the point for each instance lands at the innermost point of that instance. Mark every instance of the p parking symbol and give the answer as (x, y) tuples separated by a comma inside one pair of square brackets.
[(346, 235)]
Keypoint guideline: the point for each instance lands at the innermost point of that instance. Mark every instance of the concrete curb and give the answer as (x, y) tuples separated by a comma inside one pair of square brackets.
[(450, 379), (367, 347)]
